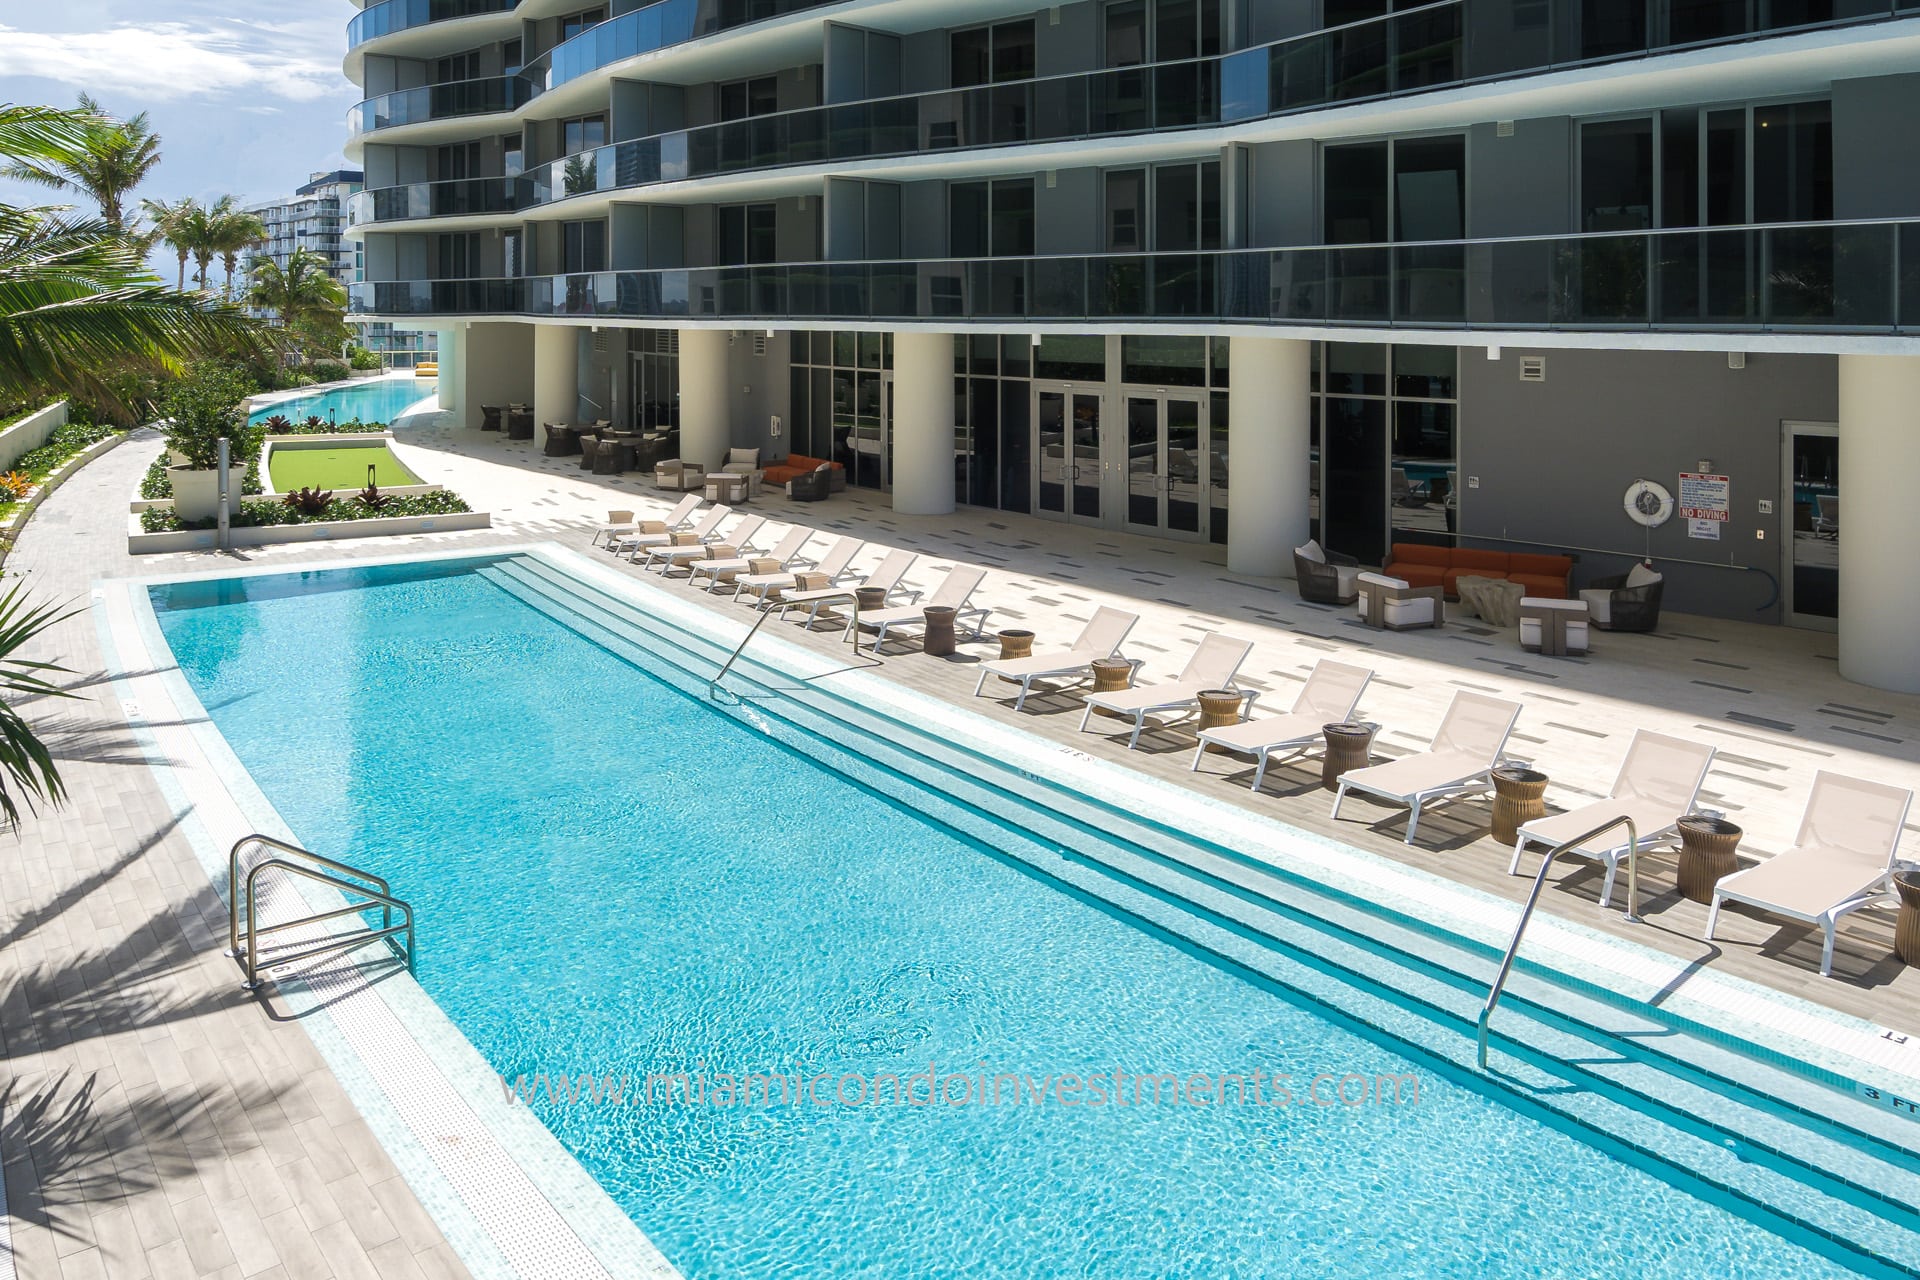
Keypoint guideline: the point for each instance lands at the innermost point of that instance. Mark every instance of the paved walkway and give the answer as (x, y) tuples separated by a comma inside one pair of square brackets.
[(155, 1121)]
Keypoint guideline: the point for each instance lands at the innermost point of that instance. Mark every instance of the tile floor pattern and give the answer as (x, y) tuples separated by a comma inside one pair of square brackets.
[(153, 1121)]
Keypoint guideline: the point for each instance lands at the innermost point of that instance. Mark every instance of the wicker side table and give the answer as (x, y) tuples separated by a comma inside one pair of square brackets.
[(1110, 675), (1706, 854), (939, 640), (1349, 747), (1016, 644), (870, 597), (1519, 796), (1906, 930), (1218, 709)]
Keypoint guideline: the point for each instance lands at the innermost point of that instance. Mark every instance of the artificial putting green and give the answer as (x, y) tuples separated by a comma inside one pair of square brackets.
[(343, 468)]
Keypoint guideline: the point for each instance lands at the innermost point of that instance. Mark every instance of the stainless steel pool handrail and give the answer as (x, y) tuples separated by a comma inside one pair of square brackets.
[(766, 611), (338, 875), (1526, 912)]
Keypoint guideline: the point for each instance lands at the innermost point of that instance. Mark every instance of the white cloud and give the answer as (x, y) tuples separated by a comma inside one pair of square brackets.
[(167, 61)]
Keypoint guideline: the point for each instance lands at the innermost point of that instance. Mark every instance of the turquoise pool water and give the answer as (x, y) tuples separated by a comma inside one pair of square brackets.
[(378, 400), (615, 878)]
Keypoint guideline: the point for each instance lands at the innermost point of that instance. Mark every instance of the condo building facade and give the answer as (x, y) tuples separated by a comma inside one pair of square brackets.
[(1618, 280)]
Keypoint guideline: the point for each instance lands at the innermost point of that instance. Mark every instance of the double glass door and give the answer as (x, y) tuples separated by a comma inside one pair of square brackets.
[(1165, 474), (1143, 468), (1811, 466)]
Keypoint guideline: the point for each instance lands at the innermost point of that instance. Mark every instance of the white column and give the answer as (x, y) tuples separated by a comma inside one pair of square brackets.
[(706, 429), (1269, 436), (1879, 458), (556, 373), (923, 457), (451, 345)]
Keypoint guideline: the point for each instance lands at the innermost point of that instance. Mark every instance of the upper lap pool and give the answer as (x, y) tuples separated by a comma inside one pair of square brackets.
[(619, 876), (376, 400)]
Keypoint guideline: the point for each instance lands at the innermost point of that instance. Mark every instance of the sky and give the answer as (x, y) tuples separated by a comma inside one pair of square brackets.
[(247, 95)]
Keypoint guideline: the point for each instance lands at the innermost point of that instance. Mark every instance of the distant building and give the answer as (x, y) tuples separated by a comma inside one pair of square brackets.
[(311, 218)]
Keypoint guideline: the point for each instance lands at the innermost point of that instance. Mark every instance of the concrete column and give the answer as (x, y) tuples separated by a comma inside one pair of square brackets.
[(1879, 458), (923, 458), (556, 373), (706, 425), (1269, 434), (451, 344)]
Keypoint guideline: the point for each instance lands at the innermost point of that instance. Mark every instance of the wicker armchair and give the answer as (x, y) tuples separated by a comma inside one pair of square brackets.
[(814, 486), (1615, 606), (1320, 581)]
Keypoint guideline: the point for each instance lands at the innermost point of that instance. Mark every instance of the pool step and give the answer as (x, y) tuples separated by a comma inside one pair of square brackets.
[(1785, 1150)]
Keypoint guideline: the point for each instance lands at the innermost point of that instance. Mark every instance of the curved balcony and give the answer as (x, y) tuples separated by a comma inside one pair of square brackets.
[(488, 95), (1433, 47), (391, 16), (459, 198), (1851, 278), (659, 25)]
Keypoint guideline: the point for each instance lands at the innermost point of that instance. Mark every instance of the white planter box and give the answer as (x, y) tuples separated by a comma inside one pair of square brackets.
[(329, 531), (196, 494)]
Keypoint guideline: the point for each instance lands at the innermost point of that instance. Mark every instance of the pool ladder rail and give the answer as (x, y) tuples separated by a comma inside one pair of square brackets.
[(717, 694), (364, 891), (1526, 913)]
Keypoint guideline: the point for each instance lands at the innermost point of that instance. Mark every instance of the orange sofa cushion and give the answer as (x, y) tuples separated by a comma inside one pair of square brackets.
[(795, 466), (1420, 553), (1486, 564)]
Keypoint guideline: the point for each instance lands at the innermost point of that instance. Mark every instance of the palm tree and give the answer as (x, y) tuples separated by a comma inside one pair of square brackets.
[(171, 224), (197, 227), (302, 294), (78, 306), (231, 233), (116, 158)]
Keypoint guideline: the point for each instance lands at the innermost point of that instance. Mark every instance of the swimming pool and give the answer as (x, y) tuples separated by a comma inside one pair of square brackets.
[(376, 400), (622, 878)]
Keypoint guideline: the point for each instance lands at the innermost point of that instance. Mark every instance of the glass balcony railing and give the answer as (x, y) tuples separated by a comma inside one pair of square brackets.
[(668, 22), (485, 96), (384, 19), (1407, 52), (437, 200), (1856, 277)]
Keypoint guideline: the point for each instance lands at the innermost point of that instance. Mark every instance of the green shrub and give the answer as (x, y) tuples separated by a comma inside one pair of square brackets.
[(259, 514), (362, 359), (203, 407), (329, 370)]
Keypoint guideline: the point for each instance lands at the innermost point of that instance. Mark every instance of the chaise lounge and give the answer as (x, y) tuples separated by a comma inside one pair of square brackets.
[(1331, 693), (1102, 637), (1464, 753), (1214, 665)]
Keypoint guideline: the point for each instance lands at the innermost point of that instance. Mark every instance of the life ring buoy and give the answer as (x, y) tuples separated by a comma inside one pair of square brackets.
[(1648, 503)]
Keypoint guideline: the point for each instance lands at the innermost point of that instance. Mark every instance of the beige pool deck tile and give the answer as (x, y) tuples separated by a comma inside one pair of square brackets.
[(226, 1144)]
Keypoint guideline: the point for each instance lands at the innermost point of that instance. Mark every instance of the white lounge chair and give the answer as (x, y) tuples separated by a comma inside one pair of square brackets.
[(1464, 753), (1102, 637), (786, 552), (1658, 783), (955, 591), (622, 523), (740, 538), (705, 530), (1215, 662), (1840, 860), (886, 575), (835, 567), (1330, 695)]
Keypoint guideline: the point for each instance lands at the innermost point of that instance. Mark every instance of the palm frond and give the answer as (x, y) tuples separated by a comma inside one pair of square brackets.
[(28, 774)]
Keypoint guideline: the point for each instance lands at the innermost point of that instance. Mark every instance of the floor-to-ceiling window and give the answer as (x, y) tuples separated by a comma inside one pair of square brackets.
[(655, 359), (1385, 433), (1389, 200), (1709, 167), (836, 402)]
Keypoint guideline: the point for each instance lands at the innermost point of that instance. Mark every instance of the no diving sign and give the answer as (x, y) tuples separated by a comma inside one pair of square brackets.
[(1706, 503)]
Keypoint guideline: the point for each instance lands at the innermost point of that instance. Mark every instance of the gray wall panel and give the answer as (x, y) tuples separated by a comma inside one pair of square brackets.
[(1554, 459)]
